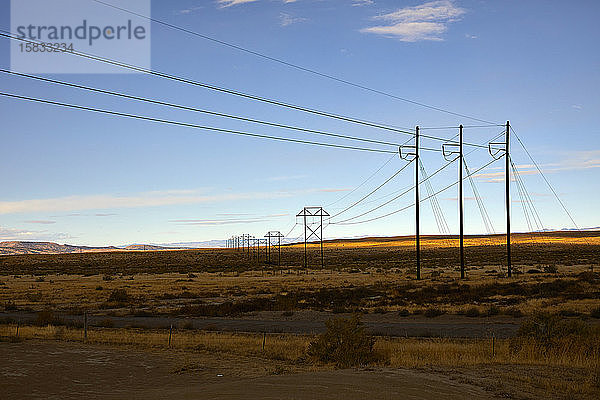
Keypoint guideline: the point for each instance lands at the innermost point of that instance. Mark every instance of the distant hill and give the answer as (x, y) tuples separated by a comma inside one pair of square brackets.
[(46, 248), (15, 247), (11, 248)]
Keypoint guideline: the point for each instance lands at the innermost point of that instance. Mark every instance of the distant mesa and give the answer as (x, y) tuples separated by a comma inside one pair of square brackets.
[(17, 247)]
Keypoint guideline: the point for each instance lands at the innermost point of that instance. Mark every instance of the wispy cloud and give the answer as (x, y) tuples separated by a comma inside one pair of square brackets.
[(189, 10), (360, 3), (284, 178), (41, 222), (286, 19), (228, 221), (573, 161), (229, 3), (140, 200), (427, 21), (30, 235)]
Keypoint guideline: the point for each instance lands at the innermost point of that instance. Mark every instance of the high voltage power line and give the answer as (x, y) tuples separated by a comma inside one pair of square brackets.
[(373, 191), (194, 109), (564, 207), (363, 182), (395, 198), (9, 35), (406, 190), (524, 196), (189, 125), (412, 205), (292, 65)]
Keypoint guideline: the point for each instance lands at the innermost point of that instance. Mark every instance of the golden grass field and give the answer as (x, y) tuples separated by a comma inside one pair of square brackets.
[(465, 359), (553, 273)]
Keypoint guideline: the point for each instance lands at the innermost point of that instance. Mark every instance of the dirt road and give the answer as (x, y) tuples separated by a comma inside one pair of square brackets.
[(58, 370), (310, 322)]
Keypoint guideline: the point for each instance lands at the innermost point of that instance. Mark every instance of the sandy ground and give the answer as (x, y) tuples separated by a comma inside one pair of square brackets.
[(58, 370)]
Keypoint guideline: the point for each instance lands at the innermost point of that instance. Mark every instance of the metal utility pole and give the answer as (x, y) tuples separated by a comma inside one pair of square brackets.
[(507, 155), (497, 150), (417, 206), (414, 156), (461, 204), (313, 212), (453, 155)]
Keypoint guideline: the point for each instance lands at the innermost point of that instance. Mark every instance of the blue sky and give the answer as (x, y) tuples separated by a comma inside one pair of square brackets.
[(75, 177)]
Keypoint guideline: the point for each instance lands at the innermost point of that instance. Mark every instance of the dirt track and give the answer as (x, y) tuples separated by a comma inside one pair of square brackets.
[(449, 326), (51, 370)]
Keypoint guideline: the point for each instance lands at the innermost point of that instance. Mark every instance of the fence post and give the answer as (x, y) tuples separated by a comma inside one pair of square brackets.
[(18, 324), (170, 334), (85, 326), (264, 340)]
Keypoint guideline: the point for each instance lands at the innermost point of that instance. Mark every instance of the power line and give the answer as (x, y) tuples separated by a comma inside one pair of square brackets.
[(194, 109), (296, 66), (373, 191), (411, 205), (396, 197), (407, 190), (487, 222), (363, 182), (429, 128), (175, 78), (546, 179), (438, 213), (189, 125)]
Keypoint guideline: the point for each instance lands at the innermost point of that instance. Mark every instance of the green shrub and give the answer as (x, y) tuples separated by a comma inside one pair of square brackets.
[(345, 343)]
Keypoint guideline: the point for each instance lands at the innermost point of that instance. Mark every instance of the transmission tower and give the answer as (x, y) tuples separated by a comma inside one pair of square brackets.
[(313, 213), (269, 236)]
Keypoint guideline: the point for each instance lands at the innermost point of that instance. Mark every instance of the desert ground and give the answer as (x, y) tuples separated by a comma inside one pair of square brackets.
[(224, 323)]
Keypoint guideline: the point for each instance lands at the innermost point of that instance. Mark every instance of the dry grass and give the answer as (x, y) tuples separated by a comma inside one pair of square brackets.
[(565, 372), (369, 291), (395, 352)]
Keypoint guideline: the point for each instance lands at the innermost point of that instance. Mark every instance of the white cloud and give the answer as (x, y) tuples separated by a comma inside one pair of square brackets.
[(229, 221), (286, 19), (147, 199), (190, 10), (360, 3), (229, 3), (27, 235), (427, 21), (574, 161)]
